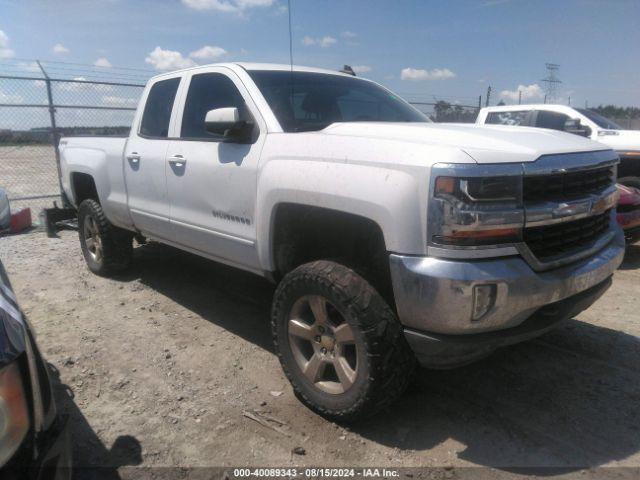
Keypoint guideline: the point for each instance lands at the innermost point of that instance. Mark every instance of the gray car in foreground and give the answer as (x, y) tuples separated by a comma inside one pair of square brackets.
[(34, 438)]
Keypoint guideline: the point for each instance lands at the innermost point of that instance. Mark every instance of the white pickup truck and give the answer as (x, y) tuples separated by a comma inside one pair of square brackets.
[(580, 121), (392, 238)]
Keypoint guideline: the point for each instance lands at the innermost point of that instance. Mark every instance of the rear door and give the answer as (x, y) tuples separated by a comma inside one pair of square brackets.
[(212, 182), (145, 160)]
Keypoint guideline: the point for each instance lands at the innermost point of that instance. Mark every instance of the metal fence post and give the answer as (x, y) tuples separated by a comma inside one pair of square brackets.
[(54, 132)]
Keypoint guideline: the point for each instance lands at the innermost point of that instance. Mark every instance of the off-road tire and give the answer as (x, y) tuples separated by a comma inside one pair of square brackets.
[(385, 369), (116, 243)]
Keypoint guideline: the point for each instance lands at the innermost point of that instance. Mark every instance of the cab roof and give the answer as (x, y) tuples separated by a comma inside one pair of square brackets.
[(528, 106), (256, 66)]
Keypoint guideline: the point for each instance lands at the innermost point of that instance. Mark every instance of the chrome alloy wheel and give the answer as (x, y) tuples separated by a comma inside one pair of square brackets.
[(323, 344), (92, 238)]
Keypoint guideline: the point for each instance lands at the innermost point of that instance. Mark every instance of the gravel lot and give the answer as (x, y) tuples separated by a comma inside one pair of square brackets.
[(168, 364)]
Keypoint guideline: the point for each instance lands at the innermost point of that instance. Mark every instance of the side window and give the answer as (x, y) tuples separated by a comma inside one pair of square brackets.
[(552, 120), (208, 91), (157, 111), (513, 118)]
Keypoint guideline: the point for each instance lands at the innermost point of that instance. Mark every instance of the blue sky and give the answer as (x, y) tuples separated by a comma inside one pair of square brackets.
[(448, 50)]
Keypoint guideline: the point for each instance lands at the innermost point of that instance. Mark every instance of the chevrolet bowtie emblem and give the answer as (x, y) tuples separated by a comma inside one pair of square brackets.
[(569, 209)]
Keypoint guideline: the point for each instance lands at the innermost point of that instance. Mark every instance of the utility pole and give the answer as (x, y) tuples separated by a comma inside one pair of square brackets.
[(479, 102), (55, 138), (551, 82), (569, 100), (486, 103), (519, 97), (545, 98)]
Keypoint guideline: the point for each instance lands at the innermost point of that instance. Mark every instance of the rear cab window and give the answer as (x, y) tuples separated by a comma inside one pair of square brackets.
[(511, 118), (157, 110)]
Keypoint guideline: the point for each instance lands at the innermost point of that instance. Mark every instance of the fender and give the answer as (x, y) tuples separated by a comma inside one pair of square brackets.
[(393, 195)]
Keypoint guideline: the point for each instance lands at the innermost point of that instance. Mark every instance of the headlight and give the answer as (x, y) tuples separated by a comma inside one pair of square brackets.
[(476, 210), (479, 189), (14, 416)]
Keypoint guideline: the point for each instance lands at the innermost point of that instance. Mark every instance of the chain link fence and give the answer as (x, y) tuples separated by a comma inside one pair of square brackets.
[(442, 111), (37, 108)]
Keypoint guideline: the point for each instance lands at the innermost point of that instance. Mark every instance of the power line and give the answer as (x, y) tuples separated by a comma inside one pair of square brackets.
[(551, 82)]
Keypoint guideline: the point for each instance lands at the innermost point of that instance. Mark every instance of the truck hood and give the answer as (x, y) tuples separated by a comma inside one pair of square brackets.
[(485, 144), (622, 140)]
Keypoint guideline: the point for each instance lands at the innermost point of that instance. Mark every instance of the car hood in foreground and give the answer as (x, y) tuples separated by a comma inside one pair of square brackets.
[(12, 323), (485, 144)]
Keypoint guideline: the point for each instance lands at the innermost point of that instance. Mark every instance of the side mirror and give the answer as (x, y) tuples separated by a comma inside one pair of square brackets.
[(227, 122), (574, 126)]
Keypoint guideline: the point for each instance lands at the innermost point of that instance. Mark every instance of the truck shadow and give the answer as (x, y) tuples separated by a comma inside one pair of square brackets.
[(568, 400), (631, 257), (92, 459), (235, 300)]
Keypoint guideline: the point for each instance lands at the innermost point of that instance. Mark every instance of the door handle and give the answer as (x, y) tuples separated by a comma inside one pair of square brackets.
[(133, 157), (177, 160)]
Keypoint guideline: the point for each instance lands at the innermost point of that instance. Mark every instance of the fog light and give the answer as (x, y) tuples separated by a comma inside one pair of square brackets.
[(484, 297)]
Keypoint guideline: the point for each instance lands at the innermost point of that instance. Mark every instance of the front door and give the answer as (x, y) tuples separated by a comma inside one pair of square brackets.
[(212, 183), (145, 162)]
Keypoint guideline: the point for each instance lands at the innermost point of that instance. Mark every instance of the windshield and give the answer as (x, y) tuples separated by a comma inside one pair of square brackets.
[(307, 101), (599, 120)]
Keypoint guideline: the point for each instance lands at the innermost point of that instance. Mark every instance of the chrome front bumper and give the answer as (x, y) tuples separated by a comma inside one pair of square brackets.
[(435, 295)]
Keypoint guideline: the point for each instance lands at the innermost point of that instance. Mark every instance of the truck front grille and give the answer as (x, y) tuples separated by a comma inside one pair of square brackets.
[(551, 241), (561, 186)]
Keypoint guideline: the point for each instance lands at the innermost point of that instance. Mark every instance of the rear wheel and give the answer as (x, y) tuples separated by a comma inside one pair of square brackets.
[(106, 249), (339, 343)]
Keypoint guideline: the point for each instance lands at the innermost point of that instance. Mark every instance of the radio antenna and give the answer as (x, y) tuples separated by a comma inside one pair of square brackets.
[(290, 36), (290, 51)]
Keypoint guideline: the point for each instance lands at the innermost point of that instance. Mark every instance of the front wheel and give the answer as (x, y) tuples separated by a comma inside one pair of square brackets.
[(106, 249), (339, 343)]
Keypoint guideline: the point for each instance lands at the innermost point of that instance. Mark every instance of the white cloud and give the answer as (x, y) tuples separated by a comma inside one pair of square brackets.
[(60, 49), (208, 52), (29, 67), (308, 41), (327, 41), (5, 51), (119, 101), (168, 60), (227, 5), (361, 68), (81, 85), (348, 34), (418, 74), (244, 4), (102, 62), (10, 98), (528, 92), (323, 42)]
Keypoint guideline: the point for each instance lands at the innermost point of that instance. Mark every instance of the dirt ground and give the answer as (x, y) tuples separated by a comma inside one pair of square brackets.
[(166, 365)]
